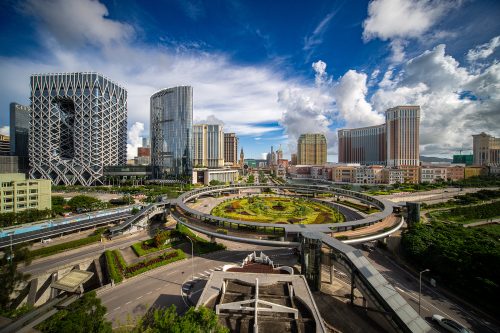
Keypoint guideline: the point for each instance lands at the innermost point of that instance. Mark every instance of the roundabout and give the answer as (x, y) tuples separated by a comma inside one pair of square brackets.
[(279, 210), (237, 219)]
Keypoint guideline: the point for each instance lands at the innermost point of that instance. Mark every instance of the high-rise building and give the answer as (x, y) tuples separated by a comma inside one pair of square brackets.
[(403, 135), (4, 145), (78, 126), (311, 149), (486, 149), (394, 143), (230, 148), (172, 133), (293, 159), (242, 158), (146, 142), (19, 129), (279, 154), (208, 146), (365, 145)]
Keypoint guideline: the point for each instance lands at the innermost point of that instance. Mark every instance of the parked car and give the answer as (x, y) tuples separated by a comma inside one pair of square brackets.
[(450, 325), (368, 247)]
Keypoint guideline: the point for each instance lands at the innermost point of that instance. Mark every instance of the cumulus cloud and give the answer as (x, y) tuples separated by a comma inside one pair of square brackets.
[(307, 110), (5, 130), (350, 98), (134, 139), (76, 22), (483, 51), (389, 19), (399, 20), (455, 103)]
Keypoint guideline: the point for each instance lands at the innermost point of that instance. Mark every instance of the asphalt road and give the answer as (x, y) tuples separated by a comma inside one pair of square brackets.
[(432, 302), (164, 286), (48, 264)]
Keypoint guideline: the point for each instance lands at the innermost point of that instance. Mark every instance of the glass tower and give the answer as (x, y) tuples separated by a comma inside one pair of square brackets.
[(171, 136), (78, 126)]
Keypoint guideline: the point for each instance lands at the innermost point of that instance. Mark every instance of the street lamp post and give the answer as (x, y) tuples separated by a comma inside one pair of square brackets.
[(420, 287), (192, 258)]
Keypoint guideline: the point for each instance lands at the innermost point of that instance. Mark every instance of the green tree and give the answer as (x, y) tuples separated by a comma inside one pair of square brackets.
[(83, 202), (86, 315), (201, 320), (10, 277), (58, 200)]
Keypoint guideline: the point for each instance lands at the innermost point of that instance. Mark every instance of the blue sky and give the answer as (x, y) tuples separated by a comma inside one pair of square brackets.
[(270, 70)]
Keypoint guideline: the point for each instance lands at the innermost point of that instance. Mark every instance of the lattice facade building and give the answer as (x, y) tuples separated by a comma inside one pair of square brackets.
[(78, 126)]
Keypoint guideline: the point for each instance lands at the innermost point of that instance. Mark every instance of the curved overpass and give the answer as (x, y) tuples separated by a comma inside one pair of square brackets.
[(385, 206)]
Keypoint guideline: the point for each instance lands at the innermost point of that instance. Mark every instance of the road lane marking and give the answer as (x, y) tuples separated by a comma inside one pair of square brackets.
[(128, 302), (139, 297), (117, 308), (149, 293)]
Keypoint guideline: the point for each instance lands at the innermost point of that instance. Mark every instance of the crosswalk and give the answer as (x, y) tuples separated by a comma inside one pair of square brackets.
[(187, 286)]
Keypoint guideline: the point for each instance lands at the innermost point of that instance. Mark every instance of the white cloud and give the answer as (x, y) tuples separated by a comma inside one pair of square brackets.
[(75, 22), (210, 120), (5, 130), (390, 19), (398, 50), (320, 69), (483, 51), (437, 82), (134, 139), (350, 98), (316, 37)]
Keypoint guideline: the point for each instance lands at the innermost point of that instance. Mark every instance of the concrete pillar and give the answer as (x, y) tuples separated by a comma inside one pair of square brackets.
[(212, 239), (32, 292)]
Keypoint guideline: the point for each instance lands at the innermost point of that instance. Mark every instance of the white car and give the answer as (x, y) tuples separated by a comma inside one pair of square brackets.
[(450, 325)]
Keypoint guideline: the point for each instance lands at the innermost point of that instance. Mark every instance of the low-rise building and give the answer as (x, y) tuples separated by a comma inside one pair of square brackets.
[(455, 172), (205, 175), (432, 174), (344, 173), (369, 174), (475, 171), (19, 193), (300, 171)]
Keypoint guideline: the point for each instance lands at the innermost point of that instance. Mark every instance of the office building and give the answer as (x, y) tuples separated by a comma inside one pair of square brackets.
[(208, 146), (4, 145), (293, 159), (78, 126), (394, 143), (311, 149), (19, 193), (171, 123), (230, 149), (206, 176), (9, 164), (146, 143), (19, 129), (143, 152), (486, 149)]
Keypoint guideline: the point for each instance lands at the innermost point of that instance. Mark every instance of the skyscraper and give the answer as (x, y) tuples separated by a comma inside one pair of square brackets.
[(19, 129), (403, 135), (208, 146), (394, 143), (78, 126), (486, 149), (311, 149), (230, 148), (171, 136)]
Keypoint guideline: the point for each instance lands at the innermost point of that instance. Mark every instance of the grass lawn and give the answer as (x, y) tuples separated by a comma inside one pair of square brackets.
[(277, 210)]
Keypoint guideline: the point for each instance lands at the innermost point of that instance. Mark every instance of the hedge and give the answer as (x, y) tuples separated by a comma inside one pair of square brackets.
[(221, 231), (50, 250), (201, 246), (137, 247), (113, 270), (162, 260), (117, 268)]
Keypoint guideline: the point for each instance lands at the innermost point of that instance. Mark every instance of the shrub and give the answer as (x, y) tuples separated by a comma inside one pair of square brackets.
[(113, 270), (54, 249), (221, 231)]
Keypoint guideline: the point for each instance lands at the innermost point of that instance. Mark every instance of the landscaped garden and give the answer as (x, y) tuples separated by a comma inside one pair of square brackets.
[(277, 210)]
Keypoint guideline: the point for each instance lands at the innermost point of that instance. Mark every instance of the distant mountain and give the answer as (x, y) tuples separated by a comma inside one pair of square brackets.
[(434, 159)]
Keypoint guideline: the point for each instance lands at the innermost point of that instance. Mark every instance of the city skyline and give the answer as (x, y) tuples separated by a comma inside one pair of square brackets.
[(339, 65)]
